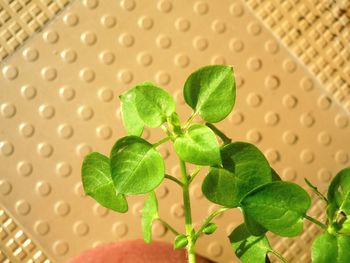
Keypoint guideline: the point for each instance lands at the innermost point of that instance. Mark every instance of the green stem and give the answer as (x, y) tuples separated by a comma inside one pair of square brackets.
[(195, 172), (315, 221), (208, 220), (188, 217), (223, 137), (279, 256), (190, 119), (176, 233), (174, 179), (315, 190), (161, 141)]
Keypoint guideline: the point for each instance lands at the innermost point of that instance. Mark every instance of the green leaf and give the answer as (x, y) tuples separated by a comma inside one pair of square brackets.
[(153, 104), (253, 227), (278, 206), (98, 184), (328, 248), (345, 227), (131, 119), (180, 241), (220, 186), (149, 214), (198, 145), (136, 166), (210, 228), (275, 175), (211, 92), (339, 193), (248, 248), (248, 164)]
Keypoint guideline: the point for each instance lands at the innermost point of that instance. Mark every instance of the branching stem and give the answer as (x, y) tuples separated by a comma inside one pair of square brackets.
[(174, 179)]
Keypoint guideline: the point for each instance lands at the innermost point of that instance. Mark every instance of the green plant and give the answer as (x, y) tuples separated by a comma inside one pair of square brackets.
[(239, 175)]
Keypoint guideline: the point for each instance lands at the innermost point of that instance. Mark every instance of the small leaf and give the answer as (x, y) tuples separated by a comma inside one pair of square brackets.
[(180, 241), (174, 123), (210, 228), (131, 119), (98, 184), (153, 104), (136, 166), (149, 214), (198, 146), (278, 206), (339, 194), (328, 248), (220, 186), (248, 248), (211, 92)]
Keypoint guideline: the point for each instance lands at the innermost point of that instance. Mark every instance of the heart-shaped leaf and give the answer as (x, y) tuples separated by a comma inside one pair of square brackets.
[(211, 92), (131, 119), (136, 166), (198, 145), (98, 184), (328, 248), (153, 104), (248, 248), (278, 206), (149, 214), (339, 194)]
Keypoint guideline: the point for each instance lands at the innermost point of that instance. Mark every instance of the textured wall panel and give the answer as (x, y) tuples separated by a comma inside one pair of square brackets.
[(19, 19), (318, 33), (59, 101)]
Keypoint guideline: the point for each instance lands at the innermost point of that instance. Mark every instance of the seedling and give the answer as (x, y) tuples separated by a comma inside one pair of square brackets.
[(239, 175)]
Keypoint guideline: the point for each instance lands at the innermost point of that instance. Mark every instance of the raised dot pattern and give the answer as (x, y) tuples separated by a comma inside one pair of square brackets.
[(61, 103)]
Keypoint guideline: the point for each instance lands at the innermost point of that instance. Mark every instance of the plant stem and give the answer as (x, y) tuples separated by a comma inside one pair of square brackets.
[(208, 220), (315, 190), (174, 179), (190, 119), (315, 221), (223, 137), (188, 217), (279, 256), (195, 172), (161, 141), (168, 226)]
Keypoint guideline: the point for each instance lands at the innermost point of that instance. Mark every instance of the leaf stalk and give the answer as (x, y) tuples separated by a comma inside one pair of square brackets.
[(315, 221), (174, 179), (208, 220), (223, 137)]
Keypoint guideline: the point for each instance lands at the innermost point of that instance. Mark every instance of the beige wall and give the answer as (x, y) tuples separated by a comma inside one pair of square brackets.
[(59, 100)]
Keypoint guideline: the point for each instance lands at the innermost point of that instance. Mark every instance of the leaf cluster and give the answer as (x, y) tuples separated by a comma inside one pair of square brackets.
[(239, 175)]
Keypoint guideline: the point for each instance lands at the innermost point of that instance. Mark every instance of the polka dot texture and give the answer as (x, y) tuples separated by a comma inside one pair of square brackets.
[(59, 102)]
